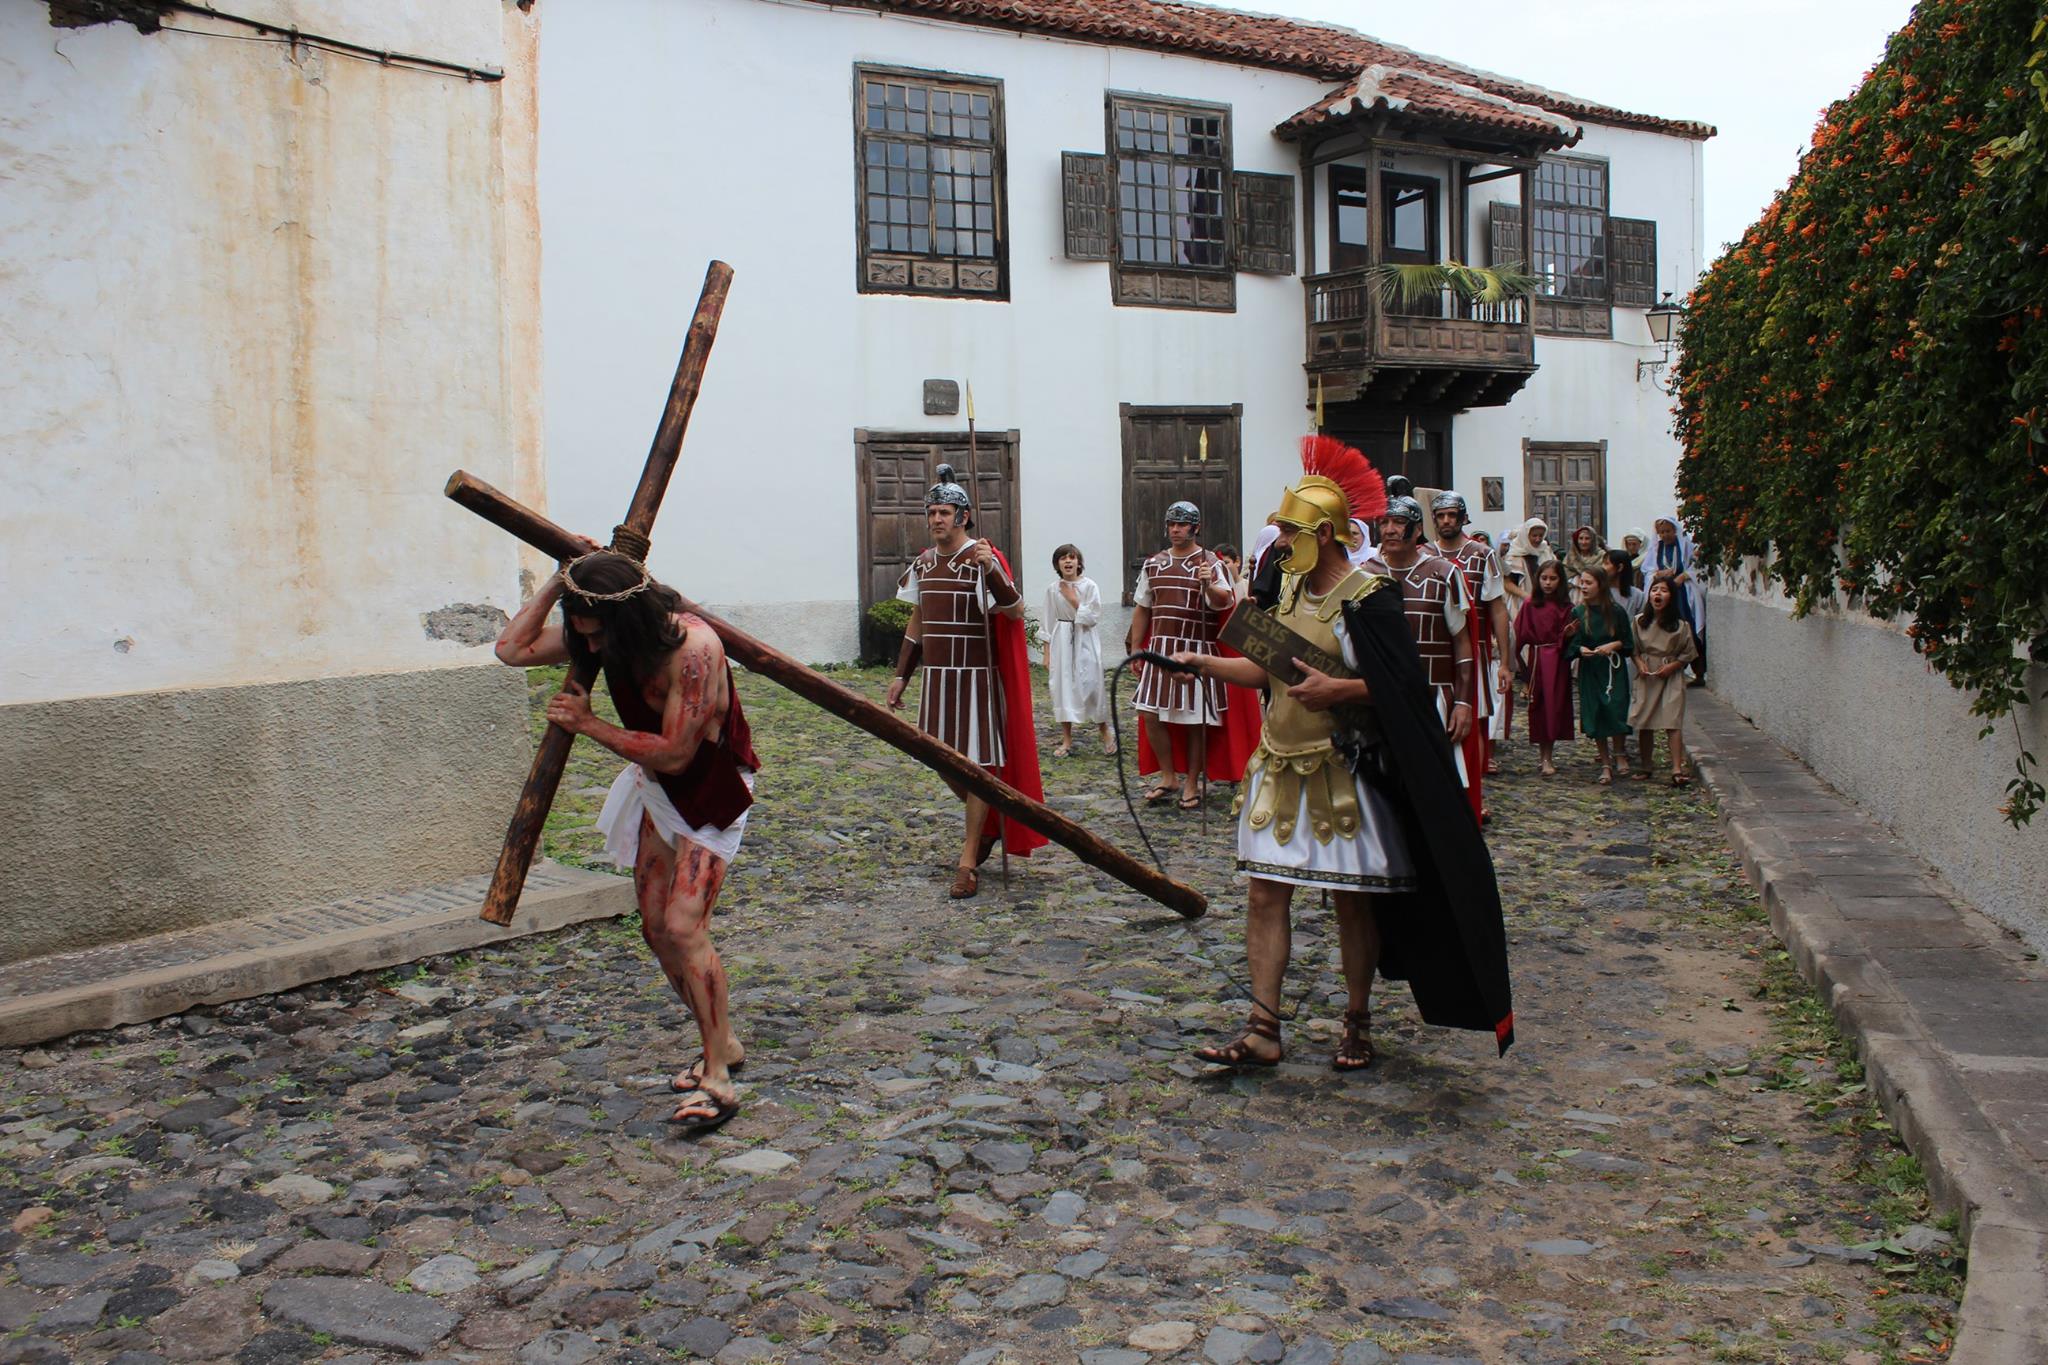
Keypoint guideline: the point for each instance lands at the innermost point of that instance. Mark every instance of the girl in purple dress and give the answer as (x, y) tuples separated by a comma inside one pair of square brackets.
[(1541, 629)]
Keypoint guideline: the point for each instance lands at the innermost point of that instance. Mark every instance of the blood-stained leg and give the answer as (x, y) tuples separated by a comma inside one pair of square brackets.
[(677, 889)]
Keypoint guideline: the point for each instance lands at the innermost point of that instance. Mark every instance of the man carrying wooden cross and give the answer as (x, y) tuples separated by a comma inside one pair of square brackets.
[(676, 814)]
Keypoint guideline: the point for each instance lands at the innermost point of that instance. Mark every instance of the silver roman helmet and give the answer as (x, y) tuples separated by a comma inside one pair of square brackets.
[(947, 493), (1448, 501)]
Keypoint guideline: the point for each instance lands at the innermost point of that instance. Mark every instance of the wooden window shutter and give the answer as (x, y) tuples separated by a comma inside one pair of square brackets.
[(1632, 261), (1091, 223), (1504, 242), (1263, 206)]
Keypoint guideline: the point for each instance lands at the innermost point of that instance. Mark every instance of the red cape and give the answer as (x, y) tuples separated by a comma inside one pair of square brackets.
[(1019, 767), (1231, 740)]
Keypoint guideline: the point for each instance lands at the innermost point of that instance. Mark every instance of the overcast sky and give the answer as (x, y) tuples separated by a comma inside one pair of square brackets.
[(1759, 70)]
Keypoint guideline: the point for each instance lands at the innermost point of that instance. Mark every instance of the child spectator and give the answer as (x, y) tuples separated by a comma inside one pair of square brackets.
[(1664, 646), (1240, 582), (1073, 658), (1627, 582), (1604, 644), (1542, 628)]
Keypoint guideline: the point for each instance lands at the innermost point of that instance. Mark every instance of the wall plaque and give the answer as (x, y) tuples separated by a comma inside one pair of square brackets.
[(941, 398)]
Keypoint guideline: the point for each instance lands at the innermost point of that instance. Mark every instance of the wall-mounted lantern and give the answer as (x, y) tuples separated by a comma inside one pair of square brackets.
[(1663, 319)]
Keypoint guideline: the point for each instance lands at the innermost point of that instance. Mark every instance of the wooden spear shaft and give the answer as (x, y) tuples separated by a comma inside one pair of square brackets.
[(529, 817), (858, 711)]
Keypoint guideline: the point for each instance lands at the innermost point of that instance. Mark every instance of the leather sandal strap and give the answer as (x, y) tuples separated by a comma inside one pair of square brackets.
[(1263, 1027)]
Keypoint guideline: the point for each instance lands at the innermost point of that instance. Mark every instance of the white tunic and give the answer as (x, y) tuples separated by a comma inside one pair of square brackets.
[(1073, 656), (1374, 859)]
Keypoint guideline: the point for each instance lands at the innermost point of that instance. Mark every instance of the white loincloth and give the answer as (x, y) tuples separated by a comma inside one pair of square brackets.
[(1374, 859), (635, 793)]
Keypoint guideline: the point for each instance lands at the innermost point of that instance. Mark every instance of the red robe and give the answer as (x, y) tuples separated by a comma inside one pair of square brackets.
[(1231, 741), (1019, 767)]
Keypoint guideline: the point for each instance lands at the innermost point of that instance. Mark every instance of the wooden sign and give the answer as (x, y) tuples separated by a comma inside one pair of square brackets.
[(1259, 636)]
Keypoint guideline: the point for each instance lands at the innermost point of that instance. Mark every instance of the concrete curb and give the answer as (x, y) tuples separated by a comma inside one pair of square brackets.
[(240, 959), (1947, 1011)]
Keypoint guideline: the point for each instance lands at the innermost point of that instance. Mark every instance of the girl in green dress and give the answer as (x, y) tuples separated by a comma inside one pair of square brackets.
[(1604, 643)]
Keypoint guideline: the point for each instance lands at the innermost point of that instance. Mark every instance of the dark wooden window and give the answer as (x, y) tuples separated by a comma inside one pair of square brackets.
[(1172, 165), (931, 213), (894, 469), (1350, 248), (1632, 261), (1570, 228), (1263, 207), (1565, 483), (1163, 463), (1568, 247), (1166, 209), (1409, 234)]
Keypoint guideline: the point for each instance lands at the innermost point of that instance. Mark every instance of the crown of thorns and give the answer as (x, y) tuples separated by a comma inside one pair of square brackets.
[(569, 579)]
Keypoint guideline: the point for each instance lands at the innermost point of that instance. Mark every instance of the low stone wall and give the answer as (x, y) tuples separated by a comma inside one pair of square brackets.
[(133, 815), (1849, 696)]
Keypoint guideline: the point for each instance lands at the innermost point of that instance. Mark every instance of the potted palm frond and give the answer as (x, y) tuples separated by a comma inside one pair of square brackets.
[(1483, 285)]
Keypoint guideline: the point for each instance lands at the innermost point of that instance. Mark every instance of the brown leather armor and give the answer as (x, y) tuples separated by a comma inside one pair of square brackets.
[(1473, 559), (959, 703), (1181, 623), (1429, 587)]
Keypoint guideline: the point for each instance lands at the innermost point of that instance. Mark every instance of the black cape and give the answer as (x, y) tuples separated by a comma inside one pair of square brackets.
[(1447, 940)]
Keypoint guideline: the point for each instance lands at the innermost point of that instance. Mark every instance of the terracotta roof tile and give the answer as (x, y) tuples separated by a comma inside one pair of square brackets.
[(1406, 92), (1296, 45)]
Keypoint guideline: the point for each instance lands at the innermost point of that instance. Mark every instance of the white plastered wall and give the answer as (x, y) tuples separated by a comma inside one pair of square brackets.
[(1586, 389), (675, 133), (256, 306)]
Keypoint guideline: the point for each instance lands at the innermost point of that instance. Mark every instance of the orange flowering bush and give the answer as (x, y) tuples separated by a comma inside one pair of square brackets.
[(1863, 378)]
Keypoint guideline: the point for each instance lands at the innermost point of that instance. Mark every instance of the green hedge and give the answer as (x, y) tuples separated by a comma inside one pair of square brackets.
[(1863, 380)]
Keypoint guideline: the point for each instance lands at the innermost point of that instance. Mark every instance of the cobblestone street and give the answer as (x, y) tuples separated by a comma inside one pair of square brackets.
[(975, 1133)]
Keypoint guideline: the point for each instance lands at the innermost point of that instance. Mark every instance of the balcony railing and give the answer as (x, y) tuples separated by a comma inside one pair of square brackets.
[(1351, 324)]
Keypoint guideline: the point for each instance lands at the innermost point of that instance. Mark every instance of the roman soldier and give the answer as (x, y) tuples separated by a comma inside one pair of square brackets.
[(966, 627), (1182, 595), (1489, 634), (1433, 595), (1353, 789)]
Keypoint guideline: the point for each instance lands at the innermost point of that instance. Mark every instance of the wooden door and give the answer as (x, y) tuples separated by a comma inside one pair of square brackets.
[(1566, 483), (1163, 465), (895, 469), (1350, 218), (1416, 444)]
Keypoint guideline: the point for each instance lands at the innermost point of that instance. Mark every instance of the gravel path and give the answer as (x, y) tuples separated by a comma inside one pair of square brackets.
[(974, 1133)]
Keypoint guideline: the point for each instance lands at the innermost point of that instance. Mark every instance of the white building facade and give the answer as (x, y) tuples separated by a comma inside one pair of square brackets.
[(1120, 239)]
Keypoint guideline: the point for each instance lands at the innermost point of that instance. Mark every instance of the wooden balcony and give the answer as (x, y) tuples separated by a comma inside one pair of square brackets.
[(1442, 352)]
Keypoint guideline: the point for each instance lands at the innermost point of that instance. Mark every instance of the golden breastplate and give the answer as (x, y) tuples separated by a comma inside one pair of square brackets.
[(1296, 752)]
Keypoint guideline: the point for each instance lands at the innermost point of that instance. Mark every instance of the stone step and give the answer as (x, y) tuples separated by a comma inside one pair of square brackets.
[(141, 979)]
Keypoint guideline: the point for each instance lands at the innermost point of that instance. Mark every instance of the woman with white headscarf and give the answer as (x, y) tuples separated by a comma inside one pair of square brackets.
[(1526, 551), (1673, 550)]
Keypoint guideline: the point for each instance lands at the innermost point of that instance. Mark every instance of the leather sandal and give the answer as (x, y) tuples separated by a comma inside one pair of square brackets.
[(965, 883), (1355, 1052), (695, 1074), (1239, 1053)]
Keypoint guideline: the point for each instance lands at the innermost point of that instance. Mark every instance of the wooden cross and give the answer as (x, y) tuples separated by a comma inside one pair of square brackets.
[(522, 837)]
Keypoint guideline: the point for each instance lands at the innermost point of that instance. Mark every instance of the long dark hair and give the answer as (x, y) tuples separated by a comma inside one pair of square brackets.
[(1624, 569), (1614, 618), (639, 631), (1563, 596), (1668, 618)]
